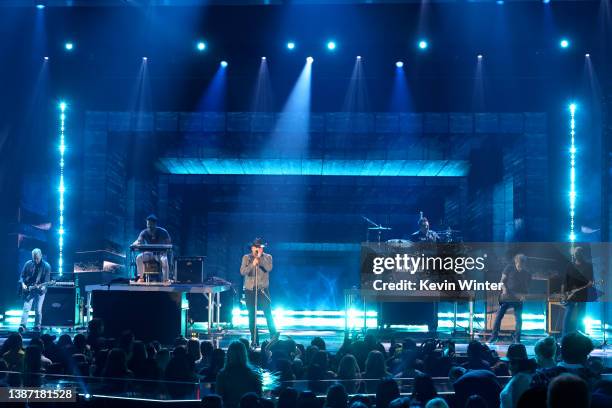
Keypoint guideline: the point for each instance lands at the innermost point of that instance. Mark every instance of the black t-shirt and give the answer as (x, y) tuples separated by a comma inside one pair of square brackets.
[(578, 276), (517, 283), (429, 236), (32, 271), (159, 236)]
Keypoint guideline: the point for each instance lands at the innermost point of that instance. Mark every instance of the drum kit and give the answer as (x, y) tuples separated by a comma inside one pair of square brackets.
[(447, 235)]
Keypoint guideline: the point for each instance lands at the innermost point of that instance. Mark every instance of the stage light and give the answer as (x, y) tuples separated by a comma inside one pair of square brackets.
[(224, 64), (201, 46), (309, 60), (144, 59), (399, 64), (423, 44), (46, 58), (359, 57), (572, 193), (500, 2), (564, 43), (479, 56), (62, 188), (290, 45), (587, 55), (545, 1), (331, 45), (263, 58), (69, 46), (40, 6)]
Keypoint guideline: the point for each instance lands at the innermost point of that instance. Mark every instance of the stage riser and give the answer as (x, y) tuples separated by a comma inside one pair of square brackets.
[(149, 315)]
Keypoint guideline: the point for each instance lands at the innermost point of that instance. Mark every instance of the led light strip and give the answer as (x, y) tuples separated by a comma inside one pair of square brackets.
[(572, 192), (62, 189)]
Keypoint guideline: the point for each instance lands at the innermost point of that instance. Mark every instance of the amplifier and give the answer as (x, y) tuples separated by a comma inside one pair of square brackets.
[(190, 269), (60, 307)]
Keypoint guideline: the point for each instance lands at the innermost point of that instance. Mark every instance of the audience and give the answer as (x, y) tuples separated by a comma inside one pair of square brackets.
[(437, 403), (423, 390), (522, 369), (348, 372), (295, 375), (475, 360), (575, 350), (546, 351), (568, 390), (375, 369), (337, 397), (237, 377), (387, 391)]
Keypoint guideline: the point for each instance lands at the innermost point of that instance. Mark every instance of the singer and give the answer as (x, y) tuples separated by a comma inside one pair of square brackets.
[(256, 268)]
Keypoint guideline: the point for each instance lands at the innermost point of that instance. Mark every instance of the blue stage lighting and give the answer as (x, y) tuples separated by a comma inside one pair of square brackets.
[(479, 56), (40, 6), (359, 57), (46, 58), (423, 44), (69, 46), (331, 45), (224, 64), (290, 45), (500, 2), (572, 192), (145, 59), (263, 58), (587, 55), (201, 46), (62, 188), (564, 43), (399, 64), (545, 1), (309, 60)]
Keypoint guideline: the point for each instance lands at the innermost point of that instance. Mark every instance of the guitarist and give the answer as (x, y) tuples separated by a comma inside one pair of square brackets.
[(34, 273), (578, 280), (515, 279)]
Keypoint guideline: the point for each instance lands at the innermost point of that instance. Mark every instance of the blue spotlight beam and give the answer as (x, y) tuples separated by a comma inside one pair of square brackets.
[(214, 96), (572, 191), (62, 187)]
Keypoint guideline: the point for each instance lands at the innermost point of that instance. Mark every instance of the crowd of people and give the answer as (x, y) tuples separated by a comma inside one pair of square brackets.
[(363, 373)]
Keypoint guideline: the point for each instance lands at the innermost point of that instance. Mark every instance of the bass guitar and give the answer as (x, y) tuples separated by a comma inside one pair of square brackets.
[(32, 290)]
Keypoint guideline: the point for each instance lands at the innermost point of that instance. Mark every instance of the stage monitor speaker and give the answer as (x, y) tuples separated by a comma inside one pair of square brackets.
[(556, 313), (190, 269), (60, 307)]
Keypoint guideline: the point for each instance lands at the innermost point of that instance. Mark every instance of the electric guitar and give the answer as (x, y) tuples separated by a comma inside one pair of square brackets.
[(32, 290), (570, 294)]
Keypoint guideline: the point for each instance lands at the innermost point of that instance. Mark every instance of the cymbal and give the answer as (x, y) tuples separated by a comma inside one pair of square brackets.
[(379, 228)]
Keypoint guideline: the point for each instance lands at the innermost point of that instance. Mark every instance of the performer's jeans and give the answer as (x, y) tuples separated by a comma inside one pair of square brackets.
[(151, 257), (263, 304), (518, 316), (574, 316), (38, 300)]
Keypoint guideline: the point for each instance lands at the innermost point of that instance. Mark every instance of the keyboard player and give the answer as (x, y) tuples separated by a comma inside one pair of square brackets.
[(152, 235)]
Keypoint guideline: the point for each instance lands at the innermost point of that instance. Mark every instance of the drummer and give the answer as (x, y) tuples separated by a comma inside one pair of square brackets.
[(424, 234)]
